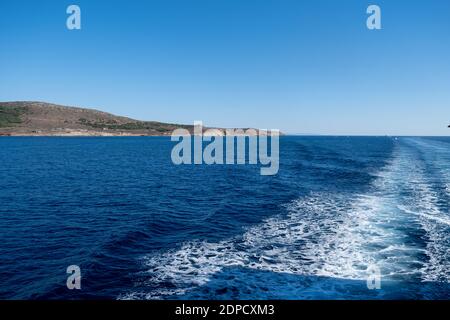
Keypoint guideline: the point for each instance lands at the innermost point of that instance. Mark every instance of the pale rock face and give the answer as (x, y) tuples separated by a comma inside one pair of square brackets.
[(214, 133)]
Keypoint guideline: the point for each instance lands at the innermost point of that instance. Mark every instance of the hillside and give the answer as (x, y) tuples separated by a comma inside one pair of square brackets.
[(24, 118)]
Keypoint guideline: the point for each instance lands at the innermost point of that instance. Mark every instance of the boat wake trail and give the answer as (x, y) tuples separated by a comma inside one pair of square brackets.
[(401, 226)]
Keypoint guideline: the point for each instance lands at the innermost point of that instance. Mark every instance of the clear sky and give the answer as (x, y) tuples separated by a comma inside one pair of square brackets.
[(299, 66)]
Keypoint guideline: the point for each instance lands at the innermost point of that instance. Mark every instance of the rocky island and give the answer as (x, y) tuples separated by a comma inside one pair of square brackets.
[(23, 118), (30, 118)]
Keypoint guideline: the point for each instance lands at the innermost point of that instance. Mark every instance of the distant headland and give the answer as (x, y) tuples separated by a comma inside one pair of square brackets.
[(30, 118)]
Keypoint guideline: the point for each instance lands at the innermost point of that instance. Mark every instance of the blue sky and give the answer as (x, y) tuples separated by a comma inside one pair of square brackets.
[(299, 66)]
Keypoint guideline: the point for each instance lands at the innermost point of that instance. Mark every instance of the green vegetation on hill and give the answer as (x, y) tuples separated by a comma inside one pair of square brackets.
[(10, 116), (28, 117), (139, 125)]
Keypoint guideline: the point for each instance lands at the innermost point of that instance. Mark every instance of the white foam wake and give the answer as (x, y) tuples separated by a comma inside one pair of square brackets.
[(428, 205), (326, 234), (322, 234)]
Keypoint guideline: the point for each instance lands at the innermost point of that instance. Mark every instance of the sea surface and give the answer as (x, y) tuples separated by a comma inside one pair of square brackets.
[(140, 227)]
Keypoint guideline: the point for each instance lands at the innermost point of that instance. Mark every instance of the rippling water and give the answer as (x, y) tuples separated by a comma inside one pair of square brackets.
[(141, 228)]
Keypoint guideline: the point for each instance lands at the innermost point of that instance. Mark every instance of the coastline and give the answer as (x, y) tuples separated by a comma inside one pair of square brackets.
[(212, 132), (82, 134)]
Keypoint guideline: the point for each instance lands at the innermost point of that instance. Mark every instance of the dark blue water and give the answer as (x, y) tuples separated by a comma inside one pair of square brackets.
[(140, 227)]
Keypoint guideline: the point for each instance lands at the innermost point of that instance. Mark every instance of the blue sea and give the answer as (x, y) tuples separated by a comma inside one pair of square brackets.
[(140, 227)]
